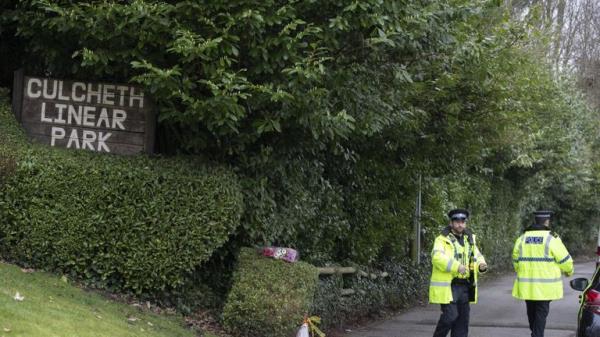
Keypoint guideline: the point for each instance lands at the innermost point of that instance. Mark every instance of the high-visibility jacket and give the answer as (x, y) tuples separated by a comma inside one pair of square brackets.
[(539, 257), (447, 255)]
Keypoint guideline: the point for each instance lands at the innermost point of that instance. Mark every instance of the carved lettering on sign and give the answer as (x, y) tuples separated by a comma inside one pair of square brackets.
[(99, 117)]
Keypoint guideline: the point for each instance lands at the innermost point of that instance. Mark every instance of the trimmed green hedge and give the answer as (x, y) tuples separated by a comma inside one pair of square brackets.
[(135, 224), (406, 285), (269, 297)]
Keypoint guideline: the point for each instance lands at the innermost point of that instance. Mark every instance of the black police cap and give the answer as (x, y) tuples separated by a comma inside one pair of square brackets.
[(458, 213)]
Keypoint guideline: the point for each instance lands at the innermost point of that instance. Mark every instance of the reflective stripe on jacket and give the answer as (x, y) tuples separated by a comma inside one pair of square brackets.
[(447, 255), (539, 257)]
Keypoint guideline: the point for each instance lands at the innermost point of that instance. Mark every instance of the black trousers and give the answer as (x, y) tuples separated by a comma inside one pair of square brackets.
[(537, 311), (455, 315)]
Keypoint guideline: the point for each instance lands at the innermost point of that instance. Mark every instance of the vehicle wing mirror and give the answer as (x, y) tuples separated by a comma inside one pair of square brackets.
[(579, 283)]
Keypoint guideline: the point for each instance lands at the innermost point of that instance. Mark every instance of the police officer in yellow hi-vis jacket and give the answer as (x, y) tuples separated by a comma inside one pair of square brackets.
[(539, 258), (456, 262)]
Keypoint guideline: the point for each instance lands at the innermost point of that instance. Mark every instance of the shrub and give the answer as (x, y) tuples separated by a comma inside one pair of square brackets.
[(135, 223), (290, 203), (405, 285), (268, 297), (7, 167)]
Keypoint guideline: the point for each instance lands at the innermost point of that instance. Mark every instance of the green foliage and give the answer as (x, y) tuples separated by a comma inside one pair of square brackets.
[(290, 203), (269, 297), (330, 111), (380, 202), (10, 136), (134, 224), (405, 285), (7, 167), (229, 74), (484, 123)]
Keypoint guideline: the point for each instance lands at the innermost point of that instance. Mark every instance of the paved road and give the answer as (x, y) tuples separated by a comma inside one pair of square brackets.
[(496, 315)]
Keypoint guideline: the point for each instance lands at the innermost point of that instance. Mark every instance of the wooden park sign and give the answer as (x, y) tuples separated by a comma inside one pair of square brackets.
[(101, 117)]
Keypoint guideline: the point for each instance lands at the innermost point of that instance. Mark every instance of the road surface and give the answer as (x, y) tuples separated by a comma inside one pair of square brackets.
[(497, 314)]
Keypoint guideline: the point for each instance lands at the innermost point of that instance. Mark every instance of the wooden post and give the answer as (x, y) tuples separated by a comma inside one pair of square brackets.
[(17, 94), (336, 270), (347, 292), (151, 129), (416, 246), (350, 270)]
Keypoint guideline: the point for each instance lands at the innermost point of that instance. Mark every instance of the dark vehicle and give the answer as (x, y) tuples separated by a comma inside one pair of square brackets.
[(588, 319)]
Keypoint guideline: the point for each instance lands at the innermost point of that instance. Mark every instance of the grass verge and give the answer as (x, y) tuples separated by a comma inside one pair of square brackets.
[(51, 307)]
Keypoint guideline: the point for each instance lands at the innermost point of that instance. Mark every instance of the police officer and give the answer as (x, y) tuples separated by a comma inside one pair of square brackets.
[(539, 257), (456, 263)]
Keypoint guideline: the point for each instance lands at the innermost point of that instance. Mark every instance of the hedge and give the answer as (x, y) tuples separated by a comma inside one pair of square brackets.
[(406, 285), (269, 297), (125, 223)]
